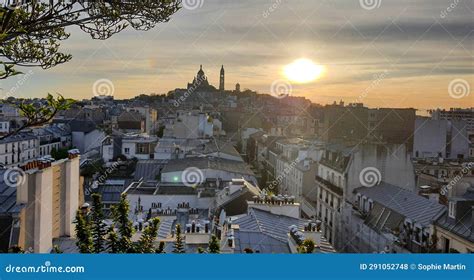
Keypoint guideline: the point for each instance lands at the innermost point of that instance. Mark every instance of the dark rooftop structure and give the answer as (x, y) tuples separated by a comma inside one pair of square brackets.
[(402, 202), (463, 222), (266, 232)]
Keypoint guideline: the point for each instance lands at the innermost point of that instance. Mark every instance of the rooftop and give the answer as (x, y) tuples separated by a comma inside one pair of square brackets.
[(406, 203), (175, 165)]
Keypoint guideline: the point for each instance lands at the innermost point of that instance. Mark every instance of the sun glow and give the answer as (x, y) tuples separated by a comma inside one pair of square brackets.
[(303, 71)]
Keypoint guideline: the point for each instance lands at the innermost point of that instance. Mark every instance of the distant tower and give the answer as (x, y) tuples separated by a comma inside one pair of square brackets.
[(221, 83), (237, 87)]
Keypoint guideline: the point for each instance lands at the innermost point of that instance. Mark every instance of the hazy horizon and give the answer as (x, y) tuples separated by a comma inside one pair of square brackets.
[(399, 54)]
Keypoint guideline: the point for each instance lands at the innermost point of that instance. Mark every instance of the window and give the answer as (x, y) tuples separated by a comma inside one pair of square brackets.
[(452, 209), (127, 151)]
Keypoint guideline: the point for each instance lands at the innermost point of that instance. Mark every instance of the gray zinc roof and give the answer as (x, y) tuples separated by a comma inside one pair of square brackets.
[(404, 202)]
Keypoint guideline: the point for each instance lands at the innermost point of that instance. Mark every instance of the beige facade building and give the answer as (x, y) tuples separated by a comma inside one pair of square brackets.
[(43, 204)]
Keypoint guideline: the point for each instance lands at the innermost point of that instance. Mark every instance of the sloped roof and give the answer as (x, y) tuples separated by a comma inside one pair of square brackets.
[(274, 226), (462, 227), (404, 202)]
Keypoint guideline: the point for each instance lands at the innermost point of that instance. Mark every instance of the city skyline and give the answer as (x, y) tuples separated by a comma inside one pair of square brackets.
[(391, 55)]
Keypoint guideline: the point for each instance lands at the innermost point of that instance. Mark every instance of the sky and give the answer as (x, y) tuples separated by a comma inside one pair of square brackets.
[(383, 53)]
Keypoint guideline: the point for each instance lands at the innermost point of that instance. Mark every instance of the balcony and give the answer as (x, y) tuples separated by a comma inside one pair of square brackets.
[(328, 185)]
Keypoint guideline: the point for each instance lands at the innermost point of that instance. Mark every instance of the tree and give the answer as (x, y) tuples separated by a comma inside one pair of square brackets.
[(56, 250), (124, 225), (214, 246), (60, 153), (161, 248), (307, 247), (83, 233), (112, 241), (31, 32), (179, 244), (146, 242), (36, 116), (98, 228)]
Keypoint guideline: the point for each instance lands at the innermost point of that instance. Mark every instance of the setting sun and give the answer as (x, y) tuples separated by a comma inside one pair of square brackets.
[(303, 71)]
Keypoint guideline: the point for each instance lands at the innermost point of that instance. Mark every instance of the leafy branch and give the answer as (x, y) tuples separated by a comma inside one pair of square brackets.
[(36, 116)]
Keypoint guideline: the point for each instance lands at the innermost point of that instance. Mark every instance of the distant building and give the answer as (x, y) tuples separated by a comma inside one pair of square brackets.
[(343, 169), (139, 146), (456, 114), (85, 135), (441, 138), (222, 79), (19, 149), (4, 126), (131, 122), (356, 122), (189, 125), (150, 116), (237, 88)]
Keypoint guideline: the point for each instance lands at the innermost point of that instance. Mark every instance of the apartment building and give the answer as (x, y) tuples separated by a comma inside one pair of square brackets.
[(41, 204), (343, 169), (18, 149)]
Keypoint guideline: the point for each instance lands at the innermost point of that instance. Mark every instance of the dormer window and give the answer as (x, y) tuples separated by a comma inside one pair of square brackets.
[(452, 209)]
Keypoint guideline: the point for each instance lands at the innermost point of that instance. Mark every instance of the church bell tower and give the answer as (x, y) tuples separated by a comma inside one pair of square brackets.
[(222, 79)]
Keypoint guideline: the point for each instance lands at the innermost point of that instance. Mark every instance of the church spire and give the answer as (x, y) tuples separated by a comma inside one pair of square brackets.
[(222, 79)]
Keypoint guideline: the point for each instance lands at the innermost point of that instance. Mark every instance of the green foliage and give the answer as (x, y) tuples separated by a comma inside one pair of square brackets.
[(179, 243), (112, 241), (83, 233), (16, 250), (36, 116), (124, 225), (161, 248), (31, 34), (145, 244), (56, 250), (307, 247), (60, 153), (201, 250), (98, 227), (214, 246)]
